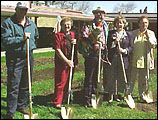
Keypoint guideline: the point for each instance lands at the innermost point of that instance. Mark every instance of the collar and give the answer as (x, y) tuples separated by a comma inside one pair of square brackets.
[(14, 19), (123, 33)]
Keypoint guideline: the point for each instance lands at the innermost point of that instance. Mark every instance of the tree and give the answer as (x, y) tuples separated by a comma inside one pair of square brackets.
[(84, 6), (124, 8)]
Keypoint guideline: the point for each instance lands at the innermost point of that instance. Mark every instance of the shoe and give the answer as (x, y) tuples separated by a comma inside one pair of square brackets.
[(58, 106), (87, 105), (9, 117), (116, 98), (24, 111)]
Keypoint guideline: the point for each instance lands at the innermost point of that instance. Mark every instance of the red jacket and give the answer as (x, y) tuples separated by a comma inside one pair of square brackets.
[(60, 43)]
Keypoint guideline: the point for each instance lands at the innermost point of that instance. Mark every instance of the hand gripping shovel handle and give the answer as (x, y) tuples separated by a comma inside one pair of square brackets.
[(29, 76), (70, 75), (128, 97)]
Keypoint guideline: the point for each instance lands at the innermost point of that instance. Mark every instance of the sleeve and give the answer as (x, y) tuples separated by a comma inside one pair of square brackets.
[(8, 37), (130, 47), (36, 33), (152, 39), (57, 41)]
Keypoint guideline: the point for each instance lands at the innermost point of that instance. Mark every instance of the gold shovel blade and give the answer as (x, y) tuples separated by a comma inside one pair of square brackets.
[(130, 101), (67, 113), (34, 116), (148, 97)]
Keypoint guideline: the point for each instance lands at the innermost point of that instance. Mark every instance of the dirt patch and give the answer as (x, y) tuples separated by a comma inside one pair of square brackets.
[(43, 74), (147, 107), (43, 61)]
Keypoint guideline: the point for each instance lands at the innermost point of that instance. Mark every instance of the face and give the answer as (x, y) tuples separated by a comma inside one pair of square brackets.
[(120, 25), (21, 13), (143, 24), (99, 16), (66, 26)]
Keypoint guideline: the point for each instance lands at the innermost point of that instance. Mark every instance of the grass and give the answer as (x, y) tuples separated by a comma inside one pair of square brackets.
[(43, 91)]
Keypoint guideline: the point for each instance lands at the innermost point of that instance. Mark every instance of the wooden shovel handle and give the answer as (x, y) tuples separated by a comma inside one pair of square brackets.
[(70, 75), (29, 76)]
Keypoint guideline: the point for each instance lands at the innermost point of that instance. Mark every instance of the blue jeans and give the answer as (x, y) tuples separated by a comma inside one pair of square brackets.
[(17, 82)]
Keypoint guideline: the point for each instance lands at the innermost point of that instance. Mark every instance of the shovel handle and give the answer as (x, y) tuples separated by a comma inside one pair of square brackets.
[(122, 64), (99, 61), (29, 76), (70, 75)]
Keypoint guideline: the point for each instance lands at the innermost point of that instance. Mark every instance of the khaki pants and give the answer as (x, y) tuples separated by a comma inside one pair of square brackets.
[(140, 75)]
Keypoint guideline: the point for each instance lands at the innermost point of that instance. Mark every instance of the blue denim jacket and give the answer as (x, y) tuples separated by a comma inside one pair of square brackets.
[(12, 35)]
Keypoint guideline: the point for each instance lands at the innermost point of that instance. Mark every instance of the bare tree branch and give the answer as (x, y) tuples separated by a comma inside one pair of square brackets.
[(124, 8)]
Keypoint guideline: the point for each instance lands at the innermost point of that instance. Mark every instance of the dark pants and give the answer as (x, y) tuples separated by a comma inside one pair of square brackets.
[(90, 82), (17, 83)]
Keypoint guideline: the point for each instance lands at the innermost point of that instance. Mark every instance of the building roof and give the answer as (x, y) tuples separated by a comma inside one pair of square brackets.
[(135, 16), (75, 15)]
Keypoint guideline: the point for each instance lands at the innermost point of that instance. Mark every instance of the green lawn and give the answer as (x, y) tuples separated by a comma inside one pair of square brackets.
[(43, 90)]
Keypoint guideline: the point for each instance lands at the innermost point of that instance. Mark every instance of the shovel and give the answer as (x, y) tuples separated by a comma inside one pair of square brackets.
[(67, 112), (31, 115), (147, 95), (128, 98), (98, 98)]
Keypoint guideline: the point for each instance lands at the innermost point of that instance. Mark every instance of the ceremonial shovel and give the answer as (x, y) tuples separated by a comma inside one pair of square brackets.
[(147, 95), (128, 98), (67, 112), (31, 115), (98, 98)]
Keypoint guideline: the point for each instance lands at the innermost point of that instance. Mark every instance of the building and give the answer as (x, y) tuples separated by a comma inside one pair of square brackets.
[(132, 19), (47, 20)]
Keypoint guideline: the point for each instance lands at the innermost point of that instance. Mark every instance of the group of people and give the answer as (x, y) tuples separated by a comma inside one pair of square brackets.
[(133, 47)]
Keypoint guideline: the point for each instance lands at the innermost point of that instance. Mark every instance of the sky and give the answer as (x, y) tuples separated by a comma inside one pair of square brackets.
[(109, 5)]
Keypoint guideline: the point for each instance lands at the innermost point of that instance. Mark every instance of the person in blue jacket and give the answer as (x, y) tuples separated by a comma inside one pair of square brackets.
[(14, 33)]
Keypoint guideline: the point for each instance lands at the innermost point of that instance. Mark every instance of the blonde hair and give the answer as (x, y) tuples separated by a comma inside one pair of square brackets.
[(120, 18), (65, 19)]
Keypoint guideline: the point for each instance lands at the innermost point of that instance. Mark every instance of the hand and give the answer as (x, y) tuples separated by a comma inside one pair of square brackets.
[(121, 50), (70, 63), (115, 37), (27, 35), (147, 34), (100, 40), (73, 41)]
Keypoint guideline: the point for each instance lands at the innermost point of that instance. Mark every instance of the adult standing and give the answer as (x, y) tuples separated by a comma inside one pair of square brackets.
[(113, 74), (91, 61), (14, 33), (63, 45), (144, 42)]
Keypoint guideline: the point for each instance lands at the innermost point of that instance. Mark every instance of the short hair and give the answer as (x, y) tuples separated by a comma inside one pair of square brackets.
[(120, 18), (143, 17), (66, 19)]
